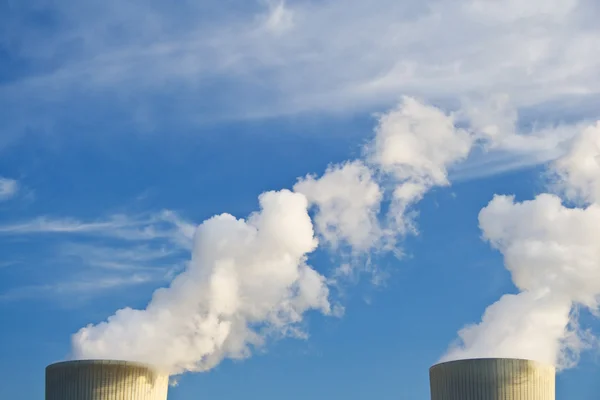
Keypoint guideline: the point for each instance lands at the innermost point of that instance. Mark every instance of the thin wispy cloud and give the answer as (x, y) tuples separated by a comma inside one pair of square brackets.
[(92, 258), (72, 289), (8, 188), (278, 18), (164, 225), (291, 54), (127, 258), (506, 145)]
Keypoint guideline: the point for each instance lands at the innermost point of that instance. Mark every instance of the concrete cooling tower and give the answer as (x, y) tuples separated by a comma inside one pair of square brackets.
[(492, 379), (105, 380)]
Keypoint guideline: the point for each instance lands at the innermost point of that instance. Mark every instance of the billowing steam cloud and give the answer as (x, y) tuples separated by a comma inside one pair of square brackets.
[(242, 273), (348, 200), (553, 254), (413, 148), (249, 280)]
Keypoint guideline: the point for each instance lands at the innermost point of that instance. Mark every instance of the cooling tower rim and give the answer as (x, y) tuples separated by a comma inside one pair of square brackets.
[(475, 359), (103, 362)]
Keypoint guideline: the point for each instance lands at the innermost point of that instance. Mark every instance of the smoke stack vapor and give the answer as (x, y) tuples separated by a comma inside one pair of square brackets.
[(242, 274), (249, 280), (553, 254)]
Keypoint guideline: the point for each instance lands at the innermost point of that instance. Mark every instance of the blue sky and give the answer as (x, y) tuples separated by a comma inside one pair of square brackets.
[(123, 127)]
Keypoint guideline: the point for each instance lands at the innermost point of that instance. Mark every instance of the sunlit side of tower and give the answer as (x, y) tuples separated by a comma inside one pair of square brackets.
[(105, 380), (492, 379)]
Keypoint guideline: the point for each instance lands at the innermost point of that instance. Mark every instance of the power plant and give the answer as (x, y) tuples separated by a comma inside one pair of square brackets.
[(105, 380), (473, 379)]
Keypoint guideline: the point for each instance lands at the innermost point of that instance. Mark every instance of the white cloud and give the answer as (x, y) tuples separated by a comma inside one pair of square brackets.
[(279, 17), (525, 325), (75, 288), (416, 143), (334, 56), (515, 10), (413, 147), (578, 172), (214, 308), (248, 280), (348, 198), (495, 121), (553, 254), (505, 145), (94, 257), (163, 225), (290, 55), (8, 188), (126, 258)]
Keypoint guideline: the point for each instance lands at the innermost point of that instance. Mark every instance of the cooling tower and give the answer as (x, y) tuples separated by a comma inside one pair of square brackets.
[(104, 380), (492, 379)]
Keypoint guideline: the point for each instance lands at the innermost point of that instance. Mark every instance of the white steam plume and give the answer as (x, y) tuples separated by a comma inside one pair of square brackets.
[(248, 280), (416, 144), (413, 148), (553, 254), (579, 171), (349, 199)]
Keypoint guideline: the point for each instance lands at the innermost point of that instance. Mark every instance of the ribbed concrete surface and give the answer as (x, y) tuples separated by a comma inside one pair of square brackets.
[(104, 380), (492, 379)]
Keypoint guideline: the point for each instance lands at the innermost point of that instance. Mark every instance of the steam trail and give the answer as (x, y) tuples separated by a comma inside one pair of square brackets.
[(248, 280), (553, 254), (242, 273)]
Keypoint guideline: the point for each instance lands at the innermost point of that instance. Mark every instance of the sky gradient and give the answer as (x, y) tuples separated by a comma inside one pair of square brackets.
[(124, 126)]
